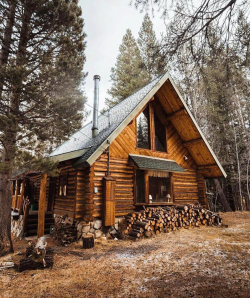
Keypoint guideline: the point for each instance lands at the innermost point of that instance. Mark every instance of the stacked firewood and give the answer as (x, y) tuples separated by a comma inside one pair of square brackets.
[(65, 231), (164, 219)]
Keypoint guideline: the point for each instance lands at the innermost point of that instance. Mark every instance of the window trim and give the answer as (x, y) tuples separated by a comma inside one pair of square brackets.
[(146, 180), (64, 177), (151, 129)]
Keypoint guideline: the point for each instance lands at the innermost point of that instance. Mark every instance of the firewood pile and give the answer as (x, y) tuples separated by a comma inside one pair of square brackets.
[(65, 231), (165, 219)]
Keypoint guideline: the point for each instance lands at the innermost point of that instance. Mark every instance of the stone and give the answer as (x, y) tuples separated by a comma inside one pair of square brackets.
[(98, 234), (97, 224)]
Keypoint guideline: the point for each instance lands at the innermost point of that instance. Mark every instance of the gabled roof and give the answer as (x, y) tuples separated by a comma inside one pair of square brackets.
[(117, 115), (82, 145)]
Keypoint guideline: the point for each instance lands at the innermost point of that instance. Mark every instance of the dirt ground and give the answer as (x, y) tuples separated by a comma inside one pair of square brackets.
[(199, 262)]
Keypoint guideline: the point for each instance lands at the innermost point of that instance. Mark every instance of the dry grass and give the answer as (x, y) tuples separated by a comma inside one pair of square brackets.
[(204, 262)]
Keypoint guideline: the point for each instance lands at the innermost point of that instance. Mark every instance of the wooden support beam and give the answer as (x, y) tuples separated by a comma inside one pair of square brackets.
[(176, 114), (41, 209), (192, 142), (16, 194), (204, 167), (21, 198), (109, 201), (146, 187), (151, 126), (25, 217)]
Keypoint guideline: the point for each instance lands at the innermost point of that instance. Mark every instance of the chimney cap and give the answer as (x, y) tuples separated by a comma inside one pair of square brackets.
[(97, 77)]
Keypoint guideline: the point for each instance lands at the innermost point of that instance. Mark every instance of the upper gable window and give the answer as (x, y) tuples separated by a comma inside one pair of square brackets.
[(142, 124), (160, 135)]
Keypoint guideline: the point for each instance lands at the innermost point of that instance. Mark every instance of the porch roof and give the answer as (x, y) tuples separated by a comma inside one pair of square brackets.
[(152, 163)]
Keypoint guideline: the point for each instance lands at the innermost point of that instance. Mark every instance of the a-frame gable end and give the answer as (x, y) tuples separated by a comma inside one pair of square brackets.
[(180, 116), (127, 120)]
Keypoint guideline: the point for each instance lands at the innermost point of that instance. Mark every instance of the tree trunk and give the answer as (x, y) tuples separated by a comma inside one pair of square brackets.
[(9, 138), (222, 196), (5, 218)]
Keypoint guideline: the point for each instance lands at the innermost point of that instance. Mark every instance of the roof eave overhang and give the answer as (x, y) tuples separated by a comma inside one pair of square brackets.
[(198, 128), (68, 155)]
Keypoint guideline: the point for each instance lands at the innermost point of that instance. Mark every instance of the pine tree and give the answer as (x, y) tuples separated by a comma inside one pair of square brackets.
[(154, 62), (128, 75), (41, 102)]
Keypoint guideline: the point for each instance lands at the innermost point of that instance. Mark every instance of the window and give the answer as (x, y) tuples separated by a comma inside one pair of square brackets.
[(151, 133), (63, 179), (159, 189), (153, 187), (142, 123), (160, 135)]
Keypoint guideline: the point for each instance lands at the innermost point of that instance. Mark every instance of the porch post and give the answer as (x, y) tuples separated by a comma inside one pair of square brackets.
[(21, 198), (16, 194), (41, 208)]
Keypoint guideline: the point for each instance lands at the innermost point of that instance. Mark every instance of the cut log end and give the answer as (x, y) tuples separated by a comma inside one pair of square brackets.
[(88, 241)]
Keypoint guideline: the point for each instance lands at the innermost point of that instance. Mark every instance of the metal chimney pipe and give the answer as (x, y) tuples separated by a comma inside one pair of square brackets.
[(95, 107)]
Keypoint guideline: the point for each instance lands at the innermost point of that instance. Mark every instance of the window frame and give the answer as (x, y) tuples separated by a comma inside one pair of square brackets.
[(151, 129), (146, 185), (64, 178)]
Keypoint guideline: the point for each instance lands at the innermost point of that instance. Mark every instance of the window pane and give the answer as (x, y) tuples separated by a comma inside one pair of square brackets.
[(63, 185), (160, 135), (142, 123), (160, 189), (140, 187)]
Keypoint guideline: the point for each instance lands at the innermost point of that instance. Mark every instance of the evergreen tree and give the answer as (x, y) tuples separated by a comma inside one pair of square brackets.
[(128, 75), (41, 102), (154, 62)]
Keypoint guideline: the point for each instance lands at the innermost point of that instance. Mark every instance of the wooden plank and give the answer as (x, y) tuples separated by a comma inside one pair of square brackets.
[(146, 187), (41, 209), (178, 113), (20, 201), (192, 142), (151, 126)]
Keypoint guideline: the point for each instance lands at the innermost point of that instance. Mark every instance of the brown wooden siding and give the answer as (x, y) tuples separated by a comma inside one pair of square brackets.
[(185, 185), (123, 173), (66, 205), (202, 190)]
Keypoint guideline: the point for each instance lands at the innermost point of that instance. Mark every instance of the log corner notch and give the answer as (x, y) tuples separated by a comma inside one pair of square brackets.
[(109, 201)]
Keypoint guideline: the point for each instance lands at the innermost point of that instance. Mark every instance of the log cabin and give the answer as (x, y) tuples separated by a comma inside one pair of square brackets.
[(147, 150)]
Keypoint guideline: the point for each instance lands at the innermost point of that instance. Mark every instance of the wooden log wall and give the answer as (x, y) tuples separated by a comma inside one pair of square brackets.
[(202, 190), (122, 172), (186, 187), (84, 194), (66, 205)]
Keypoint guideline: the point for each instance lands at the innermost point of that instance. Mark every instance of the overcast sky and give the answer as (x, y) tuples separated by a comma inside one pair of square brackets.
[(106, 22)]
